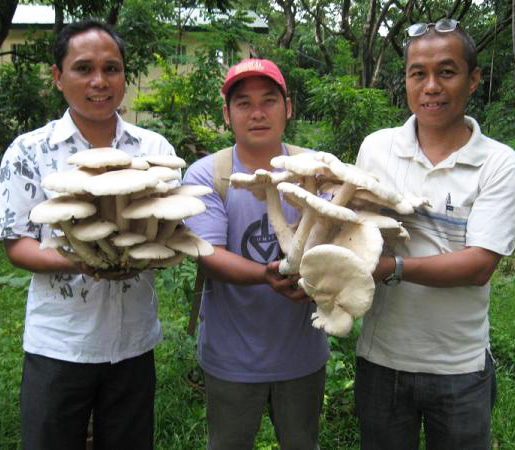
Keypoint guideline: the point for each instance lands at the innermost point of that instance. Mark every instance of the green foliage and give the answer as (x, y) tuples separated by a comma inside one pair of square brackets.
[(179, 409), (347, 113), (27, 100), (499, 120), (187, 107)]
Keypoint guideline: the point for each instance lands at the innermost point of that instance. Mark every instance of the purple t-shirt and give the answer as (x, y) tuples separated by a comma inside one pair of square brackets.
[(249, 333)]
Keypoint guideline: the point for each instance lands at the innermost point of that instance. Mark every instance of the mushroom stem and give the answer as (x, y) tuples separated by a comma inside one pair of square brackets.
[(107, 208), (166, 230), (277, 220), (151, 230), (109, 250), (291, 264), (71, 256), (121, 203), (82, 249), (344, 194), (321, 231)]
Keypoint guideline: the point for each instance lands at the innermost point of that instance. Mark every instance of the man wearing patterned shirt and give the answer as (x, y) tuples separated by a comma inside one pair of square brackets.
[(88, 344)]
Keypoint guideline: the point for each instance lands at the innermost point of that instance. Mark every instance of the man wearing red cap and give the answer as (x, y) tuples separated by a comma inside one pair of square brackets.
[(255, 341)]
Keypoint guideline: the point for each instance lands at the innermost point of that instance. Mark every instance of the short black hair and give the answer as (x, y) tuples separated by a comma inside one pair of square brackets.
[(63, 38), (469, 46), (233, 88)]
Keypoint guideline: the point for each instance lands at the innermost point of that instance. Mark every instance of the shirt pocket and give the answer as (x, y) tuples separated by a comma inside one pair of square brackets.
[(455, 226)]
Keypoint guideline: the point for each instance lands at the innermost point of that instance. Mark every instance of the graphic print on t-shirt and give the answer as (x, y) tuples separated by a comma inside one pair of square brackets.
[(258, 243)]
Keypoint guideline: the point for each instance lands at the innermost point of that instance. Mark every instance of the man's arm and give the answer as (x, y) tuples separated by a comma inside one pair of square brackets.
[(229, 267), (26, 254), (472, 266)]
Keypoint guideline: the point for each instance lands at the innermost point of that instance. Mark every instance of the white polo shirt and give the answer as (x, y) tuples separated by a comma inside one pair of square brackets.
[(73, 317), (439, 330)]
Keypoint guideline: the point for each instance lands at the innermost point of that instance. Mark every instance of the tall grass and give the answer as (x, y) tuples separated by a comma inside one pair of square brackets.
[(180, 401)]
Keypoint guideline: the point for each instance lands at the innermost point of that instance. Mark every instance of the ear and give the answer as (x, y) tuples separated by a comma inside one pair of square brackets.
[(475, 78), (288, 108), (227, 117), (56, 75)]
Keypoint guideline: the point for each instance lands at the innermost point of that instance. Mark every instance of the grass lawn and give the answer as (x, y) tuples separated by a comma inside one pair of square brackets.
[(180, 414)]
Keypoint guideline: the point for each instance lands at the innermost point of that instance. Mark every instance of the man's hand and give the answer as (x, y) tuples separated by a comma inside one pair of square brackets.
[(285, 285)]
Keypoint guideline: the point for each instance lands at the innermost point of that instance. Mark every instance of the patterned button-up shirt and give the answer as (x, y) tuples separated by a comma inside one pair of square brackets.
[(73, 317)]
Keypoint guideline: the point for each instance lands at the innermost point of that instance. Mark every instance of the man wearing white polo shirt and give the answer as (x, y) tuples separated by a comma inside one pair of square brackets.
[(423, 356)]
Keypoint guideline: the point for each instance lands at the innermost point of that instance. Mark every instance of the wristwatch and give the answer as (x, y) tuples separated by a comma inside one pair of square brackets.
[(395, 278)]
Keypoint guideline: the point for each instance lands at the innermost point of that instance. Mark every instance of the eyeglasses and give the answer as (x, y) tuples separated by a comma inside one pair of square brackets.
[(441, 26)]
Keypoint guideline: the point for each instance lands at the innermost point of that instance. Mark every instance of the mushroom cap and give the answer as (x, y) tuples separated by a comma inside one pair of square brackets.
[(402, 204), (260, 179), (164, 173), (160, 188), (364, 239), (93, 231), (387, 225), (69, 182), (172, 207), (303, 164), (349, 173), (349, 283), (139, 163), (120, 182), (173, 162), (128, 239), (185, 241), (337, 321), (100, 157), (151, 250), (61, 209), (194, 190), (299, 196)]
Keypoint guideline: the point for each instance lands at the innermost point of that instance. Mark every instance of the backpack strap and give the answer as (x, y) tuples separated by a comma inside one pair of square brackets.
[(222, 169)]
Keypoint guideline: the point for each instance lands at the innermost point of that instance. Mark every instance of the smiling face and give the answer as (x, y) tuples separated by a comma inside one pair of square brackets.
[(92, 79), (438, 81), (257, 113)]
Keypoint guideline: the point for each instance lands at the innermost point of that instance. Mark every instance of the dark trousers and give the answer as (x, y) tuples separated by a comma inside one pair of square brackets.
[(57, 398), (454, 409), (235, 410)]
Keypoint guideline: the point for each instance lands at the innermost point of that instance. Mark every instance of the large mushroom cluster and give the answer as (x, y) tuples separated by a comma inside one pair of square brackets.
[(122, 213), (337, 243)]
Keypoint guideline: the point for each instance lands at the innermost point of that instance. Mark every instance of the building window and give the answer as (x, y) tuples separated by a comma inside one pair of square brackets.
[(179, 54)]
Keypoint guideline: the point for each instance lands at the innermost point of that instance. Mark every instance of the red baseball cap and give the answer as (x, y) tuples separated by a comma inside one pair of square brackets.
[(251, 68)]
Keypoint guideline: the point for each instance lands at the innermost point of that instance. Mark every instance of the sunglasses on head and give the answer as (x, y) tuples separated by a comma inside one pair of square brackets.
[(441, 26)]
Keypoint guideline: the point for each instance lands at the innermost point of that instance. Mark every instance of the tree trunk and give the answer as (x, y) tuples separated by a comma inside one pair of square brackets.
[(114, 11), (6, 17), (513, 25), (59, 19), (286, 37)]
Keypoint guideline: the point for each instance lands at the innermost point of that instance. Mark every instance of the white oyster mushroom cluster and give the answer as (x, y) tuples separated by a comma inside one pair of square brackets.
[(337, 243), (122, 213)]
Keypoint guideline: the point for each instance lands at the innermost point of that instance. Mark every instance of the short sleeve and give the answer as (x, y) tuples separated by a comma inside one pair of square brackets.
[(20, 189), (491, 222)]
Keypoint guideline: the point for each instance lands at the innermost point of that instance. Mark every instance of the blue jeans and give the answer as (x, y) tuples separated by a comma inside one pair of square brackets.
[(235, 410), (454, 409)]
